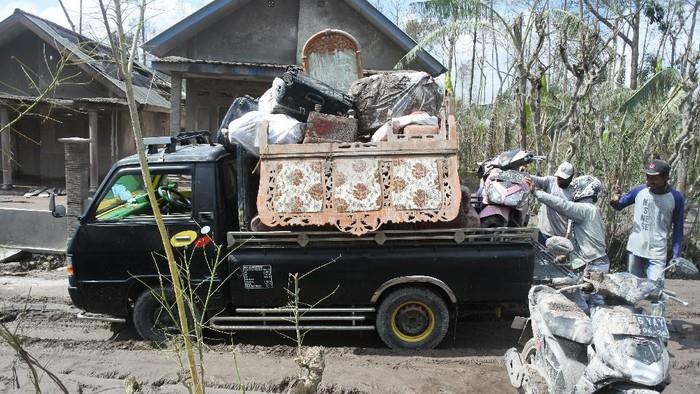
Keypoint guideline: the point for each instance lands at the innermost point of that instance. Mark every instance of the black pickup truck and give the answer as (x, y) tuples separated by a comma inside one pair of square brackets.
[(406, 284)]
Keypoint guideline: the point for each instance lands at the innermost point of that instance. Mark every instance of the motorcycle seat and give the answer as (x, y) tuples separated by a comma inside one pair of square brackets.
[(563, 317)]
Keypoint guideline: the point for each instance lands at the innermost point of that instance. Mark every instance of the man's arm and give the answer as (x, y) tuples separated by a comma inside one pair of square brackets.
[(541, 182), (627, 199), (569, 209), (678, 222)]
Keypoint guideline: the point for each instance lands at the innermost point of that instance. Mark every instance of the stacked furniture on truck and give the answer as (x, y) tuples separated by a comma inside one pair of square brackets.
[(355, 161)]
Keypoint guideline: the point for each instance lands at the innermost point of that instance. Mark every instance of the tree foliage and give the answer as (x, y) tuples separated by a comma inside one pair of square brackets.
[(607, 85)]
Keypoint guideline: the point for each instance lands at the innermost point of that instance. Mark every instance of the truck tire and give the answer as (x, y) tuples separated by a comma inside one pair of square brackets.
[(155, 315), (412, 318)]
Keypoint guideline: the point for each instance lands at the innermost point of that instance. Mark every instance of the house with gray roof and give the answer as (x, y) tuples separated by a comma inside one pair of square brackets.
[(88, 101), (231, 48)]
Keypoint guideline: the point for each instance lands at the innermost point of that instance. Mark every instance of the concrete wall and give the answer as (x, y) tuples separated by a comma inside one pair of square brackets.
[(378, 51), (34, 54), (209, 99), (32, 230), (254, 33)]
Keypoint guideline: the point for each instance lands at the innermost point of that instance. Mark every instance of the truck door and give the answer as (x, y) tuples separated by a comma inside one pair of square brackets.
[(118, 244)]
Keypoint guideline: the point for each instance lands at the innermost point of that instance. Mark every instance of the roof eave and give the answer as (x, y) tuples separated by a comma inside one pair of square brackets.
[(203, 67)]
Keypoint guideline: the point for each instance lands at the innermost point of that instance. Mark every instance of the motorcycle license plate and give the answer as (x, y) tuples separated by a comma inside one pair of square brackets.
[(652, 326)]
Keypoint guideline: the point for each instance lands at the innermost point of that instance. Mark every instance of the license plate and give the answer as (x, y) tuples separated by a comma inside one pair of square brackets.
[(652, 326)]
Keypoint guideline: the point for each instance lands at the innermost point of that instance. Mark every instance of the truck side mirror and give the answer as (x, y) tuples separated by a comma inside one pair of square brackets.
[(57, 211)]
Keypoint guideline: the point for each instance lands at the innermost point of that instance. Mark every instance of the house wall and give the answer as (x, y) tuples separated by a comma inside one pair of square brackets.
[(40, 157), (35, 54), (258, 33), (209, 99), (377, 50), (254, 33), (153, 124)]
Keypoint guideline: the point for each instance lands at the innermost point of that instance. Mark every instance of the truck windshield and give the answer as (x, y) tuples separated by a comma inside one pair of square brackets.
[(126, 196)]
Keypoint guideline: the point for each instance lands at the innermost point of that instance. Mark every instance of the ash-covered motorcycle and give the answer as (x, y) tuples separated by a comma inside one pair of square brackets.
[(503, 193), (618, 348)]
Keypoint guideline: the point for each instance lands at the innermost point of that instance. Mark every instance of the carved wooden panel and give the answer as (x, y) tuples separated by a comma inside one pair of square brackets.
[(333, 56), (358, 187), (299, 185), (358, 196)]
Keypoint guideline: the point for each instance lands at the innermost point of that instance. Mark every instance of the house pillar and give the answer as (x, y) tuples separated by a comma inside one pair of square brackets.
[(6, 154), (48, 149), (94, 165), (175, 102), (77, 151)]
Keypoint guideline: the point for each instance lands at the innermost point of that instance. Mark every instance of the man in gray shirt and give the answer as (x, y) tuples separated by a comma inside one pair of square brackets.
[(588, 231), (549, 222)]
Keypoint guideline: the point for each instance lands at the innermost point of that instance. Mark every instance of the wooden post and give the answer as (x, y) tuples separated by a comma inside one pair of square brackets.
[(175, 102), (6, 154), (94, 161), (48, 149)]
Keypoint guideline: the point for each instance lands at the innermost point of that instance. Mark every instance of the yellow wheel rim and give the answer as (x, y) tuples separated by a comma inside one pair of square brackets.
[(412, 321)]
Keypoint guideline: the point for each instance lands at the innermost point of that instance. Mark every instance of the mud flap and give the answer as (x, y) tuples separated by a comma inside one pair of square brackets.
[(514, 366)]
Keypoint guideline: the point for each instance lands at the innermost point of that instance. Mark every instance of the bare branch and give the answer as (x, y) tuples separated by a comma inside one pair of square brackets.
[(65, 12)]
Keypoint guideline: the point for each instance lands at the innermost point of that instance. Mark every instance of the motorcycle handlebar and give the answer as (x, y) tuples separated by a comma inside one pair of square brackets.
[(671, 295), (582, 286)]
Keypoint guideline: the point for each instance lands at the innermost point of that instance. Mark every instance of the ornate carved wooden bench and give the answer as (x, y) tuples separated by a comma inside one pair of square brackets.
[(357, 187)]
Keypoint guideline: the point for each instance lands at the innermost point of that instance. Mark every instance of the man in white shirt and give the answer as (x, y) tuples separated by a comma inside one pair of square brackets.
[(658, 213), (549, 221)]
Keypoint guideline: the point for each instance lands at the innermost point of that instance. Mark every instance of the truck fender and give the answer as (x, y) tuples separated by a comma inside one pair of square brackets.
[(413, 279)]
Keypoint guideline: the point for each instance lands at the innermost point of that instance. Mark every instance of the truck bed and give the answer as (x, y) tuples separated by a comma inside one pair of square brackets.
[(544, 269)]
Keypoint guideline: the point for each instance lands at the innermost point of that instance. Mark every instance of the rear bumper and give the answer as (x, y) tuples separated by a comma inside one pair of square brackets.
[(75, 293)]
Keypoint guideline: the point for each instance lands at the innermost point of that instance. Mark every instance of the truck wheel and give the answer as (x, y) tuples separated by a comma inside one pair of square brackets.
[(155, 315), (412, 318)]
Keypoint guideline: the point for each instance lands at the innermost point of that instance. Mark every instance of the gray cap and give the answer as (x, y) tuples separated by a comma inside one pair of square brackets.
[(565, 170), (657, 167)]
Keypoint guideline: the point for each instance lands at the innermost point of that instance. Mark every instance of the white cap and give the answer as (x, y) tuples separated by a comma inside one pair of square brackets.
[(565, 170)]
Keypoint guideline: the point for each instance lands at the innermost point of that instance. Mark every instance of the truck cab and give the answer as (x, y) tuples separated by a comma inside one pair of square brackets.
[(116, 252)]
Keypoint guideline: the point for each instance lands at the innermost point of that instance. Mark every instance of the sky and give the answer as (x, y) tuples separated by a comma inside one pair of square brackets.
[(162, 13)]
